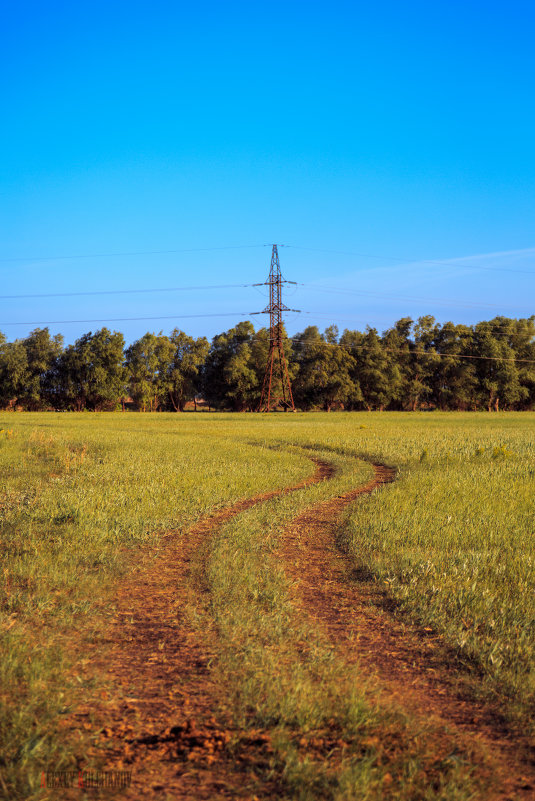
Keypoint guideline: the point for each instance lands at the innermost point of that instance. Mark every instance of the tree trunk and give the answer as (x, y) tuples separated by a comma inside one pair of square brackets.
[(176, 407)]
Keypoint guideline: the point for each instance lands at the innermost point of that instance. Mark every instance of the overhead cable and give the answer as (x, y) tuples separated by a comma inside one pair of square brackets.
[(441, 301), (406, 352), (129, 253), (129, 319), (126, 291)]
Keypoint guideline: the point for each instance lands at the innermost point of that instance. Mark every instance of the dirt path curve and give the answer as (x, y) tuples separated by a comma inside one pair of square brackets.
[(410, 666), (160, 713)]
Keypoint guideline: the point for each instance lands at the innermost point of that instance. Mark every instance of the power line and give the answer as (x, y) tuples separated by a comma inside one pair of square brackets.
[(441, 301), (493, 330), (337, 316), (128, 319), (207, 287), (405, 352), (129, 253), (341, 317), (401, 259), (296, 338), (125, 291)]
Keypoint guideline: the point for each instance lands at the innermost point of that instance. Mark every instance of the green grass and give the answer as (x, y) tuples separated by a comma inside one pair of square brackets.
[(80, 493), (452, 540), (283, 675)]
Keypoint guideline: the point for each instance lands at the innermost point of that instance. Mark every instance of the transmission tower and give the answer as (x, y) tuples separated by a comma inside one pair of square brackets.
[(276, 388)]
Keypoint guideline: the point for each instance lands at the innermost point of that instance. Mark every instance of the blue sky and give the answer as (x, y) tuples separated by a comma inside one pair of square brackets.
[(391, 145)]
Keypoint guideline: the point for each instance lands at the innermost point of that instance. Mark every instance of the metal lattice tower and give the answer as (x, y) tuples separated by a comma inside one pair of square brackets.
[(276, 388)]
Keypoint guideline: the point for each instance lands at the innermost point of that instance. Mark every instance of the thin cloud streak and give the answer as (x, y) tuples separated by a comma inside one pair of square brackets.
[(496, 253)]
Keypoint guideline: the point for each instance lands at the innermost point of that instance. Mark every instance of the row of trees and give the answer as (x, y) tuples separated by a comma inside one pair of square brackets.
[(410, 366)]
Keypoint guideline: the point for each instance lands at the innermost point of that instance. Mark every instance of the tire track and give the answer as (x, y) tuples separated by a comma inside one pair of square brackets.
[(163, 717), (410, 667)]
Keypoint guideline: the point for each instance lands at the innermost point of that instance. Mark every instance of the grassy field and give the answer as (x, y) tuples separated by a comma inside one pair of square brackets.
[(452, 541)]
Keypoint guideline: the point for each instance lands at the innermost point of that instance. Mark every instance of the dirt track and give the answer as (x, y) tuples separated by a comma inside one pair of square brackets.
[(159, 714), (410, 667)]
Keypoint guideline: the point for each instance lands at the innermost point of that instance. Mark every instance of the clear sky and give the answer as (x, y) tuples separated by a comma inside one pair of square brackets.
[(399, 134)]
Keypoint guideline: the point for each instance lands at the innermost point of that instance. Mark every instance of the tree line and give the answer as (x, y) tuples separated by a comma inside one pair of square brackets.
[(410, 366)]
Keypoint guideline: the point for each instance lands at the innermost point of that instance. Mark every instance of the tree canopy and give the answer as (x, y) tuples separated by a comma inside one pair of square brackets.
[(410, 366)]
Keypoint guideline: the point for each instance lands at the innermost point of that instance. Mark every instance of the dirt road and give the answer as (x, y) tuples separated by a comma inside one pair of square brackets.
[(164, 717)]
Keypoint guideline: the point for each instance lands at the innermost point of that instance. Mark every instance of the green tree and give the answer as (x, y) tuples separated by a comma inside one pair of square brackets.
[(375, 371), (148, 366), (497, 370), (229, 378), (42, 350), (521, 336), (424, 361), (184, 370), (88, 374), (397, 343), (454, 378), (324, 376), (13, 370)]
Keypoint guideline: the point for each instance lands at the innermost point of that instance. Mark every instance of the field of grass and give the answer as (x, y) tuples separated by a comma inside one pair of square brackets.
[(452, 540)]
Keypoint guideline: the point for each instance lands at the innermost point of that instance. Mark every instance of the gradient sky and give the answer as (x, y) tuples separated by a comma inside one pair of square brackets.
[(389, 144)]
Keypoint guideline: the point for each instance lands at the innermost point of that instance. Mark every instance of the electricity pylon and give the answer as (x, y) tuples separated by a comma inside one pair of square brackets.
[(274, 396)]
